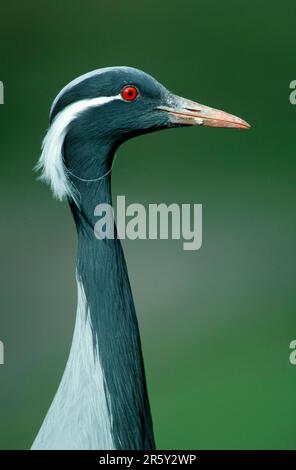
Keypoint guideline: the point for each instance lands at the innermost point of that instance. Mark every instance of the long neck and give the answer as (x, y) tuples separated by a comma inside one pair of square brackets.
[(102, 274)]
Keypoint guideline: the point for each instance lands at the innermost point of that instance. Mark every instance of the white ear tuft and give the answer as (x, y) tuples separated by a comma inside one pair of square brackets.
[(51, 161)]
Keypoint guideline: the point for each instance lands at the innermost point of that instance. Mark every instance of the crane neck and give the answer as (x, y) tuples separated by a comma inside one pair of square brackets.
[(103, 277)]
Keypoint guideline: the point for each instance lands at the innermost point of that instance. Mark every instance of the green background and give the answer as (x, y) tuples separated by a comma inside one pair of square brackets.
[(215, 324)]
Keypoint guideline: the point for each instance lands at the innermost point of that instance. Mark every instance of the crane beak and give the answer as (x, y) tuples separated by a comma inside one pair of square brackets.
[(185, 112)]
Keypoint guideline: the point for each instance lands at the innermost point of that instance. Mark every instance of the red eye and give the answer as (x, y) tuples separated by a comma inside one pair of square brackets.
[(129, 93)]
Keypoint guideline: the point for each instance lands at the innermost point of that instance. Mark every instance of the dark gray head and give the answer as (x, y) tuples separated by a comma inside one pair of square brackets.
[(127, 102), (98, 111)]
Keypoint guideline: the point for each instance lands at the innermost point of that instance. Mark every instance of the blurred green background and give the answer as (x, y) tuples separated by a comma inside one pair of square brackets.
[(216, 324)]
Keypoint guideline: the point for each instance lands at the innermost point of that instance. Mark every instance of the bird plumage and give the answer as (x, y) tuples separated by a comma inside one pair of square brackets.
[(102, 401)]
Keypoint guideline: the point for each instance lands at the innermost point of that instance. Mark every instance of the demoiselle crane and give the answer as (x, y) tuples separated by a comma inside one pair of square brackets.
[(102, 400)]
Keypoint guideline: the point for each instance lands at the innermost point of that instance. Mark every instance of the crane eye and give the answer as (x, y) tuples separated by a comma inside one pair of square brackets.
[(129, 93)]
